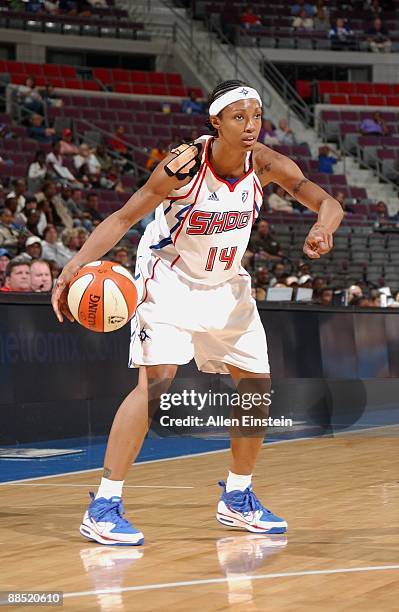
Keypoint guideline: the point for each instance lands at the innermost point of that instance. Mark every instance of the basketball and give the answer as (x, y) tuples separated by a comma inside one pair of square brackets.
[(102, 296)]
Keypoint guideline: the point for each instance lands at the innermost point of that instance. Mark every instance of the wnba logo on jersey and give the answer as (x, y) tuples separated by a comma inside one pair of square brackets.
[(205, 222)]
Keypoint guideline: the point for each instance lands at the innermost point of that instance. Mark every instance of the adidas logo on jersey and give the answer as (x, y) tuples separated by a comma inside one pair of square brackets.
[(213, 197)]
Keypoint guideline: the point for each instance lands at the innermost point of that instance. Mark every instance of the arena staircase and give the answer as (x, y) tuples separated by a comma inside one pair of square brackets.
[(215, 59)]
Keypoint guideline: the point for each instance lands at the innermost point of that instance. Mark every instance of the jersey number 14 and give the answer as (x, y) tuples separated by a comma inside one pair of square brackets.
[(226, 256)]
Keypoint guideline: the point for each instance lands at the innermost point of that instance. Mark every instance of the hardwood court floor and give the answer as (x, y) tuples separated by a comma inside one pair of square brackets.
[(340, 497)]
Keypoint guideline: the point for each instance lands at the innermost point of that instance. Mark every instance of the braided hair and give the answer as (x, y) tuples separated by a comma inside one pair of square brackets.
[(220, 90)]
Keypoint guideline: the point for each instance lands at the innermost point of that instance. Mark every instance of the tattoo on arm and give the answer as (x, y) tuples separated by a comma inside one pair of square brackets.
[(298, 186), (106, 472), (263, 169)]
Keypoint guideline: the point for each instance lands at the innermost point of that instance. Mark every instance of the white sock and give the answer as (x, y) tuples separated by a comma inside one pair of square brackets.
[(238, 482), (110, 488)]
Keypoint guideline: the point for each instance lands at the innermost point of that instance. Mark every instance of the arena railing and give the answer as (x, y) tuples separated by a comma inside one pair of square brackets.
[(241, 68)]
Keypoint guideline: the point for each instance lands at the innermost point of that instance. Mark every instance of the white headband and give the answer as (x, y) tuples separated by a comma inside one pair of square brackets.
[(240, 93)]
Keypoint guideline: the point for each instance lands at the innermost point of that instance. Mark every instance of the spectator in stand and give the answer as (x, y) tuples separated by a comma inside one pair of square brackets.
[(278, 273), (8, 235), (5, 257), (57, 170), (303, 22), (53, 249), (21, 218), (326, 160), (29, 96), (373, 8), (74, 204), (34, 6), (383, 219), (341, 36), (113, 179), (105, 160), (263, 243), (121, 255), (54, 208), (321, 22), (324, 297), (81, 236), (318, 283), (50, 97), (374, 126), (67, 146), (267, 134), (284, 133), (354, 293), (305, 281), (40, 276), (18, 193), (378, 39), (192, 106), (374, 299), (33, 248), (75, 7), (17, 277), (51, 6), (91, 209), (301, 5), (32, 222), (38, 131), (157, 155), (340, 197), (262, 278), (69, 239), (37, 171), (116, 143), (278, 202), (87, 165), (250, 20)]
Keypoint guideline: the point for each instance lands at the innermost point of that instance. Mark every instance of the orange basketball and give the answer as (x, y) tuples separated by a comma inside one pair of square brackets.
[(102, 296)]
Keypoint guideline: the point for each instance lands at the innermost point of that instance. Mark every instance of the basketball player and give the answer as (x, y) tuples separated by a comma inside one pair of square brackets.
[(196, 298)]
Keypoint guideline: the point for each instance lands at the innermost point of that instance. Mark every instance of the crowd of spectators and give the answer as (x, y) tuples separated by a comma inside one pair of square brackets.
[(315, 17), (271, 268), (81, 8), (46, 218)]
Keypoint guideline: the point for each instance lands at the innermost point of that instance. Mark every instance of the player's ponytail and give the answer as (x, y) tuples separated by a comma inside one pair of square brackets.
[(220, 90)]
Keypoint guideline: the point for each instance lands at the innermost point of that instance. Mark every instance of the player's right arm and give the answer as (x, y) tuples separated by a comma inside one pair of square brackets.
[(108, 233)]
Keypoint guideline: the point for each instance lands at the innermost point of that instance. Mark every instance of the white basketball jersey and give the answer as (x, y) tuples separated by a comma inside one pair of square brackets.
[(202, 230)]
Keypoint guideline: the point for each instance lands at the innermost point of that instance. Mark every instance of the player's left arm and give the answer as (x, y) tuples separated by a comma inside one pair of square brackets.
[(271, 167)]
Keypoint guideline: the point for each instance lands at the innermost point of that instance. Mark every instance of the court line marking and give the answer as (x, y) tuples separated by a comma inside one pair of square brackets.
[(168, 585), (211, 452), (61, 484)]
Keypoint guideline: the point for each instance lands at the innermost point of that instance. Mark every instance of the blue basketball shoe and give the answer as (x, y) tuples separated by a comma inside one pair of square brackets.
[(243, 510), (103, 522)]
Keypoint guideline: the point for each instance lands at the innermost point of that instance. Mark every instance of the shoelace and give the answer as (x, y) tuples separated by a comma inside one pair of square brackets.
[(246, 502), (114, 508)]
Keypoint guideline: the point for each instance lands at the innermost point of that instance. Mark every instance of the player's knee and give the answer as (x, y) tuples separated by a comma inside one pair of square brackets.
[(159, 380), (255, 396)]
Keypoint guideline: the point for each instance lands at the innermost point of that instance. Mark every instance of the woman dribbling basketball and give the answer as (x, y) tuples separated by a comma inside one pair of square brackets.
[(195, 296)]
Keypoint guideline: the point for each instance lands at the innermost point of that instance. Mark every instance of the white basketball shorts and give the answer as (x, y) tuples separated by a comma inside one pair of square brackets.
[(177, 319)]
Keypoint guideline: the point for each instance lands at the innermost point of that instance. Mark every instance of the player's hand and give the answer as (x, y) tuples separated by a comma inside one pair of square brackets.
[(318, 242), (60, 292)]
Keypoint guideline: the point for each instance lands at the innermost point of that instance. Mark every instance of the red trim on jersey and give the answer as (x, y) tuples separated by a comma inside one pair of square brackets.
[(258, 187), (191, 207), (174, 261), (254, 211), (146, 281), (208, 163)]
